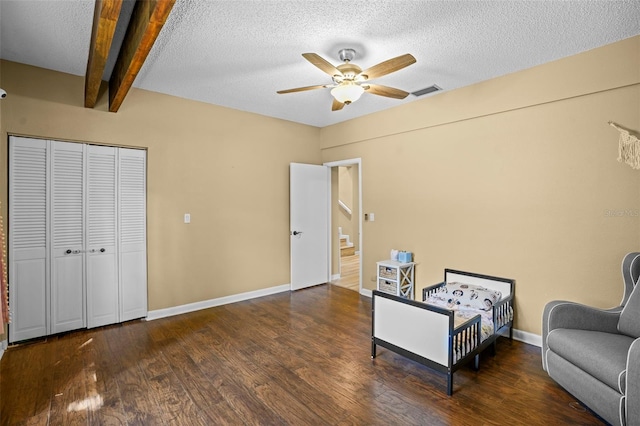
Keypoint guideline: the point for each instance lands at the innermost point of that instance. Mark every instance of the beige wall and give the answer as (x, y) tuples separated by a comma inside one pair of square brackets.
[(228, 168), (512, 177)]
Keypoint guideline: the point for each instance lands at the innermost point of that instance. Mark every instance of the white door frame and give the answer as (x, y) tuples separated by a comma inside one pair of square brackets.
[(349, 162)]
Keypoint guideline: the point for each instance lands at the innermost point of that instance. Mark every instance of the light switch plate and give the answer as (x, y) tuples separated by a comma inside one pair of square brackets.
[(372, 217), (187, 218)]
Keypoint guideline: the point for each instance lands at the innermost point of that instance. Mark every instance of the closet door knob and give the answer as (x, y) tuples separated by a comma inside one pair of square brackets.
[(102, 250), (68, 251)]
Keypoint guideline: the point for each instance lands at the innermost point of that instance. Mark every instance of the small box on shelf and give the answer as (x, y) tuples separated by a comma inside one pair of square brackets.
[(405, 256)]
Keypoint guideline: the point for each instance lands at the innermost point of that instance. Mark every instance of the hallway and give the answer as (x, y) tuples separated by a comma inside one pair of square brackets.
[(349, 272)]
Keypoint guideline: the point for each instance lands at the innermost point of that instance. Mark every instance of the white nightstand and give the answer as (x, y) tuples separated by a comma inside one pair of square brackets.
[(396, 278)]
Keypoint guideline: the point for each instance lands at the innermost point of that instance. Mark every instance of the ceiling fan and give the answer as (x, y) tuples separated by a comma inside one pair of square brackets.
[(350, 82)]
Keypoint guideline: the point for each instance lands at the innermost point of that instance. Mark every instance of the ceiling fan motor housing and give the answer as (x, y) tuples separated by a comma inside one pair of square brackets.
[(349, 72), (347, 55)]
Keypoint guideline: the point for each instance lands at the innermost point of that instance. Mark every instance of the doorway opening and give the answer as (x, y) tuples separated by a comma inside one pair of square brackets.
[(346, 227)]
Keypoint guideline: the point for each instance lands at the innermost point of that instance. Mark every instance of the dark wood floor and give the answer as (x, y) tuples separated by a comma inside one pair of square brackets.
[(292, 358)]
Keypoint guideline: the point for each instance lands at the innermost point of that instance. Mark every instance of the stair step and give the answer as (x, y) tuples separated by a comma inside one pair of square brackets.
[(347, 251), (344, 242)]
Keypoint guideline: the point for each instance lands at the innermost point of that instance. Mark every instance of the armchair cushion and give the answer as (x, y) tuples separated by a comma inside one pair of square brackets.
[(629, 322), (602, 355)]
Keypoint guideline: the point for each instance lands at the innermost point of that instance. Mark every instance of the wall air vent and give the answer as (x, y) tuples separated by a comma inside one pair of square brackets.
[(426, 90)]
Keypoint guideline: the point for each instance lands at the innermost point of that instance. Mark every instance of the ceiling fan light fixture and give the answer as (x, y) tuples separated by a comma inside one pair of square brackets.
[(347, 92), (350, 81)]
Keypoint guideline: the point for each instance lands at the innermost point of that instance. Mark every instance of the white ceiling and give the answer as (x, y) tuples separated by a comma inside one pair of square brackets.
[(239, 53)]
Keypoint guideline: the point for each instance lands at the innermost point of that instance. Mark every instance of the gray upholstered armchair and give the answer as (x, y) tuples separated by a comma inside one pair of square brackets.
[(595, 353)]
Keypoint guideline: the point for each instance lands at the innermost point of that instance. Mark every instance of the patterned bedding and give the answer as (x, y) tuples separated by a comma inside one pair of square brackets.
[(468, 301), (486, 321)]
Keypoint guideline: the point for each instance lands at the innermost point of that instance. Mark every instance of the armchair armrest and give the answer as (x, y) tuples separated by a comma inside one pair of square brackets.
[(632, 399), (562, 314)]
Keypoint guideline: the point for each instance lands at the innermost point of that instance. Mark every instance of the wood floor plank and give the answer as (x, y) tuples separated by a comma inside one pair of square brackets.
[(25, 384), (71, 401), (292, 358), (294, 394), (242, 399), (201, 390), (138, 404), (220, 368), (177, 406), (103, 372)]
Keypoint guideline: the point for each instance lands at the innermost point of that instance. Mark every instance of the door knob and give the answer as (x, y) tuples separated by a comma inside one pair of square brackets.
[(102, 250), (297, 232)]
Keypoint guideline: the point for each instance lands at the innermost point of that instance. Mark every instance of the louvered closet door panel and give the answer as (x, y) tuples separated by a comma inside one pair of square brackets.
[(102, 268), (67, 235), (28, 270), (133, 234)]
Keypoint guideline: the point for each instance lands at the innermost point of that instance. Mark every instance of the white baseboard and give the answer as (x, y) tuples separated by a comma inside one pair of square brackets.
[(196, 306), (526, 337), (3, 346), (366, 292), (335, 277)]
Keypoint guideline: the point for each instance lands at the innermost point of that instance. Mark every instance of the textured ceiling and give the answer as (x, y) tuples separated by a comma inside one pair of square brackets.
[(239, 53)]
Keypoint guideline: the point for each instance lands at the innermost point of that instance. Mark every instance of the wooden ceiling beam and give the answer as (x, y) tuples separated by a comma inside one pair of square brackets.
[(105, 19), (146, 22)]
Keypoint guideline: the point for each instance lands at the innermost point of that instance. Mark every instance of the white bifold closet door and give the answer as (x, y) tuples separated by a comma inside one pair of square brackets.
[(77, 236), (132, 226), (102, 234), (67, 237), (29, 270)]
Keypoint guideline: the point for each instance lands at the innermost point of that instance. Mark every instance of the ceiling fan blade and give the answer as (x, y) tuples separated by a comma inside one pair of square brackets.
[(322, 63), (337, 105), (389, 66), (302, 89), (389, 92)]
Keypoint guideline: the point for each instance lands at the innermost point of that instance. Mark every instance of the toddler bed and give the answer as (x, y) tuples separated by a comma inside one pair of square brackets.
[(457, 320)]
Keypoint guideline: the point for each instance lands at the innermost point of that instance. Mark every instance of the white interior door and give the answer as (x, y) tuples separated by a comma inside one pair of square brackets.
[(28, 239), (309, 225), (102, 266)]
